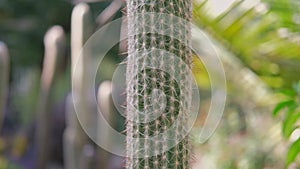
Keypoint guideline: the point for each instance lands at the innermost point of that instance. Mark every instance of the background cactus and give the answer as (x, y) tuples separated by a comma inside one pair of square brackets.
[(79, 150), (142, 82), (55, 48), (69, 135), (78, 153), (4, 78), (108, 110)]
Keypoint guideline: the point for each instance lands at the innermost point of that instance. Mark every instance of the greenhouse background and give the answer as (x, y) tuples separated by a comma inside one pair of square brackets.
[(257, 42)]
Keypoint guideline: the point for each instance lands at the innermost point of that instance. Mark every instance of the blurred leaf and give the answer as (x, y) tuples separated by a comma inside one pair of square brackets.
[(293, 152), (289, 123), (234, 6), (282, 105), (297, 87), (288, 92), (253, 35)]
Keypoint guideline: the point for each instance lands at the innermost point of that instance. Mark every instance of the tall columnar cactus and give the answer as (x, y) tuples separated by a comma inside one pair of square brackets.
[(144, 84), (69, 137), (54, 55), (77, 144), (108, 110), (4, 77)]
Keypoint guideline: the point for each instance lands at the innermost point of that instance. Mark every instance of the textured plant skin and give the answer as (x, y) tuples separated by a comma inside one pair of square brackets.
[(4, 78), (54, 42), (142, 81)]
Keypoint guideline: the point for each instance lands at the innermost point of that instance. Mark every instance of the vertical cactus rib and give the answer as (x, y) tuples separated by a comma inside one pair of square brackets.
[(152, 90), (54, 41), (4, 79)]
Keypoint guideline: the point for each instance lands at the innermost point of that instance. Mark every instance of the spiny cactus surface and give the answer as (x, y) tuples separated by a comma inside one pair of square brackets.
[(157, 102)]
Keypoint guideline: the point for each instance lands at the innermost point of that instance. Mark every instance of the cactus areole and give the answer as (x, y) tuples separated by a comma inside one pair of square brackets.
[(158, 87)]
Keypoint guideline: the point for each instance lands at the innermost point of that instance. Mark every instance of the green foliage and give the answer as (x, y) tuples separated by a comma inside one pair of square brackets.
[(287, 12), (282, 105), (23, 25), (293, 152), (4, 163), (291, 109), (264, 37)]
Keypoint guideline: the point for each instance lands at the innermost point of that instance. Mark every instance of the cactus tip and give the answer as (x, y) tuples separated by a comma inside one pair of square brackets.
[(81, 9), (3, 50), (54, 34)]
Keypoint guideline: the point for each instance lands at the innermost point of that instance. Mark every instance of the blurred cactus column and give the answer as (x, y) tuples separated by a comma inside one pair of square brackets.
[(55, 49), (69, 137), (151, 90), (4, 79), (78, 148), (108, 110)]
